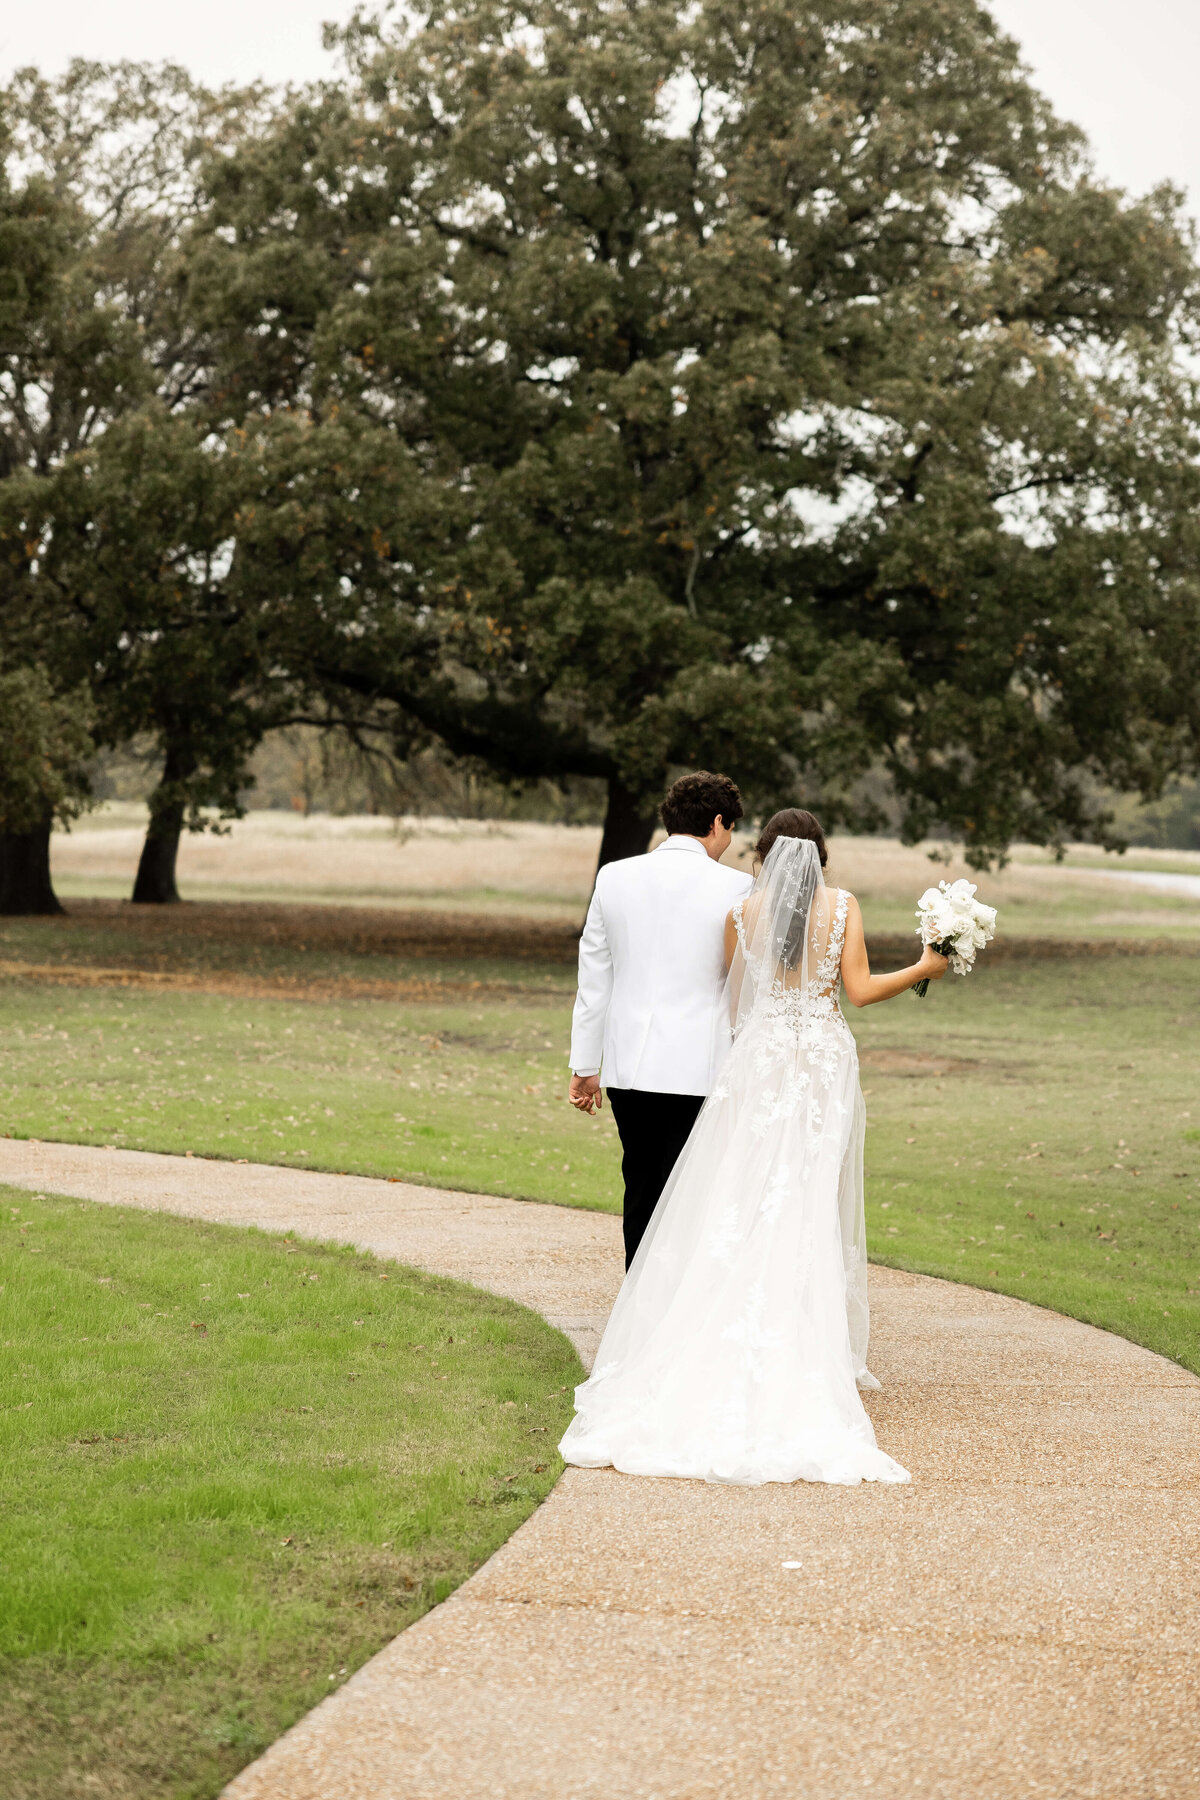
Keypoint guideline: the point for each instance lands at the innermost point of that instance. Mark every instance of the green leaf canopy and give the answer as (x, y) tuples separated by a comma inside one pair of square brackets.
[(785, 395), (770, 387)]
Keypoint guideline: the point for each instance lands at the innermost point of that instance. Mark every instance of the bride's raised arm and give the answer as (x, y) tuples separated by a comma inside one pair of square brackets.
[(863, 988)]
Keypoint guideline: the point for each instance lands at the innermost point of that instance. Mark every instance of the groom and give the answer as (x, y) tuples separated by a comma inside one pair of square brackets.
[(651, 978)]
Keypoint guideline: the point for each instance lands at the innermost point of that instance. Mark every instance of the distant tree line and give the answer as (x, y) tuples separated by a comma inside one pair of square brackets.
[(306, 769), (577, 394)]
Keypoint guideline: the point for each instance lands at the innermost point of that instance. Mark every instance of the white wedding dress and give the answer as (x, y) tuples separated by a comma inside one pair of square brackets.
[(739, 1339)]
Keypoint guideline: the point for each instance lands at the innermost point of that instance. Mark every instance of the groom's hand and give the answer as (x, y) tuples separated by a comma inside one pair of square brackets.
[(585, 1094)]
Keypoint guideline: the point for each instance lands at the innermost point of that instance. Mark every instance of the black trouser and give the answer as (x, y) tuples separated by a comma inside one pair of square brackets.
[(653, 1128)]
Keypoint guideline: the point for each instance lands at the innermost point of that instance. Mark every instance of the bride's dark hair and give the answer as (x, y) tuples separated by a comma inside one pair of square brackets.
[(792, 822)]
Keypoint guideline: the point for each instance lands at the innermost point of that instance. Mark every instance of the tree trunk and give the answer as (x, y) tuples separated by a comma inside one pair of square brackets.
[(25, 886), (155, 883), (628, 823)]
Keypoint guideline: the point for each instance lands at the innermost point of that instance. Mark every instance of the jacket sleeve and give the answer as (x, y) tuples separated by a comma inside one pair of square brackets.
[(593, 994)]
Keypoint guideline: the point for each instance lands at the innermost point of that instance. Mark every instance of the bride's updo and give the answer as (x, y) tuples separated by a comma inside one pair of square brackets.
[(792, 822)]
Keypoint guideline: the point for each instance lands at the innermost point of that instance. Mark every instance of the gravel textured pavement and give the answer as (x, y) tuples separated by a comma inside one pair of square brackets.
[(1023, 1620)]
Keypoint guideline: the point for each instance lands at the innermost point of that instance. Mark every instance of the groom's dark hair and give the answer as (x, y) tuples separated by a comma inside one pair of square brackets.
[(694, 801)]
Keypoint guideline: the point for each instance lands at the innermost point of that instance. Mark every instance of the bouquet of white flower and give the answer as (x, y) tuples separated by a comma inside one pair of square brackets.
[(957, 925)]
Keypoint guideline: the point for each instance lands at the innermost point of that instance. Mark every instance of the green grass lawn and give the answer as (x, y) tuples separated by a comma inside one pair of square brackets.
[(1034, 1129), (1057, 1155), (465, 1090), (1059, 1081), (464, 1096), (235, 1466)]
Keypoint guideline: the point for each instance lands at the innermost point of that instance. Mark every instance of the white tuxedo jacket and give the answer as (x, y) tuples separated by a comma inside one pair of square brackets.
[(652, 970)]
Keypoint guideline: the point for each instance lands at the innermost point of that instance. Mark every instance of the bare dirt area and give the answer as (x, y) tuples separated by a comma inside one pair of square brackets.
[(250, 987), (272, 950), (261, 950), (883, 1059), (351, 930)]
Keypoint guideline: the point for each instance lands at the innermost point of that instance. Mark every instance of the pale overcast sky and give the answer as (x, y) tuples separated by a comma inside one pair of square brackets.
[(1126, 72)]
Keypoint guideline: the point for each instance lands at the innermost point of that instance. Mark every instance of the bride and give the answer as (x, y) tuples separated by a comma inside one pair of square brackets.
[(739, 1339)]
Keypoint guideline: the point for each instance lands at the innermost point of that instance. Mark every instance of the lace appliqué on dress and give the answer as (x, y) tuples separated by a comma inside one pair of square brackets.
[(739, 925), (799, 1037)]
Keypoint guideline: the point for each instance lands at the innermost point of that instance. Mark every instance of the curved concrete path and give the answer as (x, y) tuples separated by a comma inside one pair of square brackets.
[(1023, 1620)]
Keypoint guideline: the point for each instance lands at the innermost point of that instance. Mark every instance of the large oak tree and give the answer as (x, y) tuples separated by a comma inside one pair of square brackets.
[(788, 396)]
